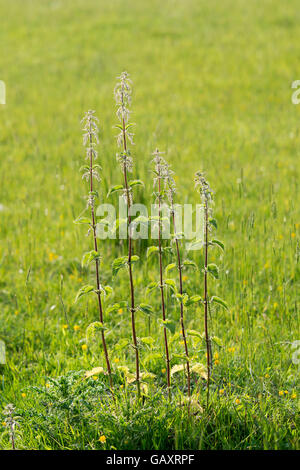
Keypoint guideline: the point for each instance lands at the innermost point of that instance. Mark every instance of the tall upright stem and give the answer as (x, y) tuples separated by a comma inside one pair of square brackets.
[(132, 309), (162, 286), (206, 300), (181, 304), (97, 264)]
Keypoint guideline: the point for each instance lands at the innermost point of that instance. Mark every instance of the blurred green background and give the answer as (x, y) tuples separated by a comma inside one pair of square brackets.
[(212, 88)]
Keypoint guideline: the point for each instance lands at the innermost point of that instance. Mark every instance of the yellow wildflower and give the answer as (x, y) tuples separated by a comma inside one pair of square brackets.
[(293, 234), (163, 371), (4, 423), (102, 439), (64, 327), (217, 362), (95, 377), (23, 395), (281, 392), (84, 347), (76, 327), (120, 310), (17, 312), (116, 360), (286, 392), (221, 391), (294, 395), (184, 278), (52, 256), (231, 350), (237, 401), (275, 305), (267, 376), (47, 385)]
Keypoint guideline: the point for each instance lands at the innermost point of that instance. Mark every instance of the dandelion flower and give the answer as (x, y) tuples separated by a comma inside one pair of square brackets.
[(294, 395), (23, 395), (84, 347), (281, 393), (221, 391), (102, 439), (237, 401), (76, 327)]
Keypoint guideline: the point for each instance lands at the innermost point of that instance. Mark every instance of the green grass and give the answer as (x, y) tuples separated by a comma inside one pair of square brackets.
[(212, 87)]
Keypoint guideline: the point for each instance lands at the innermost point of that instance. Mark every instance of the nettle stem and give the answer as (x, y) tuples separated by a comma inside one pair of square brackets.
[(91, 161), (208, 359), (182, 309), (171, 189), (161, 279), (123, 98)]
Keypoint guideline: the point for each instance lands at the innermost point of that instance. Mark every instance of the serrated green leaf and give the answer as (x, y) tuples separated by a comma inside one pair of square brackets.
[(136, 183), (82, 220), (88, 257), (217, 243), (188, 263), (119, 263), (170, 324), (170, 267), (146, 308), (117, 187), (151, 250), (213, 270), (213, 222), (83, 291), (170, 283), (151, 287), (219, 301)]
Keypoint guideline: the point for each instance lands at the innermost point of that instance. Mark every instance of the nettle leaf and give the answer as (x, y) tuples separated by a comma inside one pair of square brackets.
[(213, 222), (82, 220), (188, 263), (200, 369), (114, 189), (153, 285), (170, 324), (170, 283), (118, 264), (83, 291), (93, 329), (147, 340), (170, 267), (95, 371), (146, 308), (195, 333), (213, 270), (217, 340), (116, 307), (193, 299), (195, 245), (218, 243), (177, 368), (219, 301), (107, 290), (151, 250), (136, 183), (147, 376), (88, 257)]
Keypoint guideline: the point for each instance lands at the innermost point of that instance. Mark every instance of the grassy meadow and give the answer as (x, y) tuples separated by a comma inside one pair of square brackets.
[(212, 89)]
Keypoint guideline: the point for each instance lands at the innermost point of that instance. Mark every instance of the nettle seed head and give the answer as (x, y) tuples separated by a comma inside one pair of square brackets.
[(123, 92), (169, 184), (159, 166), (204, 188), (90, 128), (90, 140)]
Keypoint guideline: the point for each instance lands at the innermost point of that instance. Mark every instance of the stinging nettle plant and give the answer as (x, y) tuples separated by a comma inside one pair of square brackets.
[(210, 224), (122, 93), (91, 173), (181, 296), (159, 193)]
